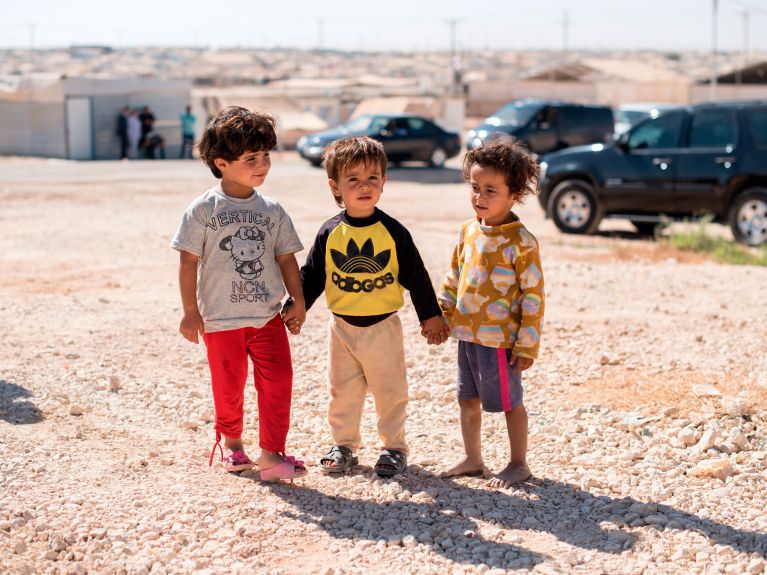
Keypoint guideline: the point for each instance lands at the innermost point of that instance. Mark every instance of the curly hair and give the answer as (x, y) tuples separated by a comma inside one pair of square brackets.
[(233, 132), (510, 157)]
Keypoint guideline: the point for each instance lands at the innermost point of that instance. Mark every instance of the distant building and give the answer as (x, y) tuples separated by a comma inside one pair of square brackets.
[(745, 83), (293, 118), (609, 81), (76, 118)]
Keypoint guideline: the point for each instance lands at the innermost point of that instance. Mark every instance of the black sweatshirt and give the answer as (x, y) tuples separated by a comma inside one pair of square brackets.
[(362, 265)]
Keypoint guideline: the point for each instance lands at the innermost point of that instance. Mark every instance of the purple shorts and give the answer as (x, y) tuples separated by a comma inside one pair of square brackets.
[(484, 372)]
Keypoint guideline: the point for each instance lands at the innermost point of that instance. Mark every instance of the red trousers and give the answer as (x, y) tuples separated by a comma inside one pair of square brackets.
[(269, 350)]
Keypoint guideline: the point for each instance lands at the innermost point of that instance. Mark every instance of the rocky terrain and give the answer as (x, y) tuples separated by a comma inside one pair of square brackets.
[(648, 419)]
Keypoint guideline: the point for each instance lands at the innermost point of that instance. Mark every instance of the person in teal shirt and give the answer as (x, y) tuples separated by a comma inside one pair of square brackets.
[(187, 133)]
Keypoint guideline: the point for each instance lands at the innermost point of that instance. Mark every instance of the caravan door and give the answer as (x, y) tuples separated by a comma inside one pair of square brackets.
[(79, 128)]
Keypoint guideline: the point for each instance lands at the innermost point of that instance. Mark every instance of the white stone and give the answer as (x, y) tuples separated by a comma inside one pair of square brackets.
[(707, 441), (705, 390), (688, 435), (755, 566), (718, 468), (736, 406)]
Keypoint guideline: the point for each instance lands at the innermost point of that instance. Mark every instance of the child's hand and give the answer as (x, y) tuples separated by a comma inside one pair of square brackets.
[(520, 363), (192, 326), (294, 315), (435, 330)]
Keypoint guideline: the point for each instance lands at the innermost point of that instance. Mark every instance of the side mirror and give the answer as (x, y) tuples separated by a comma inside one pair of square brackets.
[(622, 141)]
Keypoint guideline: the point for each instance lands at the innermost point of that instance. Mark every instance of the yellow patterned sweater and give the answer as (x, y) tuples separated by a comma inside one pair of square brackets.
[(493, 293)]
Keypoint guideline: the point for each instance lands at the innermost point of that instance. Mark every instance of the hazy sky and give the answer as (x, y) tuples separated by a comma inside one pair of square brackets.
[(384, 25)]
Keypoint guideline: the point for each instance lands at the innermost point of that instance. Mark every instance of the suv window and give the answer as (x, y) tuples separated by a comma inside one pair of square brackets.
[(712, 129), (660, 132), (584, 118), (757, 120), (416, 125), (572, 118), (546, 118)]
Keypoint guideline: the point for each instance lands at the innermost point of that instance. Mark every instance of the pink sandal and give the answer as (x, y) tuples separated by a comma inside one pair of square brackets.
[(237, 461), (290, 468)]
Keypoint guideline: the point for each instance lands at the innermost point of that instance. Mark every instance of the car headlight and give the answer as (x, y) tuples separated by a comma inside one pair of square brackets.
[(543, 166), (315, 151), (472, 134), (301, 142)]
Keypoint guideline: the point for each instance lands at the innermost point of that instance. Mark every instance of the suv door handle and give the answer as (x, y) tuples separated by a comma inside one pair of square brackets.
[(659, 161), (727, 160)]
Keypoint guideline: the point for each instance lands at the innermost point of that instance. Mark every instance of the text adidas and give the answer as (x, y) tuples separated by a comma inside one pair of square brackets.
[(350, 284)]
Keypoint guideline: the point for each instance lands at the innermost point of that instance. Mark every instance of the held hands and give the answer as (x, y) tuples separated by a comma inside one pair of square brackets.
[(435, 330), (192, 326), (520, 363), (294, 315)]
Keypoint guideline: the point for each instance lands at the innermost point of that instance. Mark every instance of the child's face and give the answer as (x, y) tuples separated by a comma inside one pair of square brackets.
[(490, 195), (359, 187), (246, 172)]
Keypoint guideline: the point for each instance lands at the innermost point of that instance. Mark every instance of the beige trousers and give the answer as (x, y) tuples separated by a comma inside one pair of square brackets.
[(361, 359)]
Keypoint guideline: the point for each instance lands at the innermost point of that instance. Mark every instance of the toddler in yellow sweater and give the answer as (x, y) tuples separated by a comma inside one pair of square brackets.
[(492, 298)]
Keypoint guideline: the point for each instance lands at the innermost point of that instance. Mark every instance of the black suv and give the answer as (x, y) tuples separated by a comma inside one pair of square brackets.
[(683, 162), (546, 126)]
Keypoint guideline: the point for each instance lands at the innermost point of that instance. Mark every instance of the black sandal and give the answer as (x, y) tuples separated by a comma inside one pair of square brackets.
[(390, 463), (341, 458)]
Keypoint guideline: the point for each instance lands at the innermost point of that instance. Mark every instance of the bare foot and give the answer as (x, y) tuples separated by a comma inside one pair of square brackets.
[(465, 466), (510, 475)]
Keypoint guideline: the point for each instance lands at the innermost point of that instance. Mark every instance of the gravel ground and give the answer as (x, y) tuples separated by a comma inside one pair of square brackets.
[(648, 425)]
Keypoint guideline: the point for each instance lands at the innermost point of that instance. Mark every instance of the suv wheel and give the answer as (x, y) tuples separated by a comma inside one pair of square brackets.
[(573, 207), (748, 217), (438, 157)]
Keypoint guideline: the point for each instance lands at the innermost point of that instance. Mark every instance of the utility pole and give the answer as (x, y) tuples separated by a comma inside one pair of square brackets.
[(744, 62), (714, 8), (455, 62), (321, 34), (31, 27), (31, 86)]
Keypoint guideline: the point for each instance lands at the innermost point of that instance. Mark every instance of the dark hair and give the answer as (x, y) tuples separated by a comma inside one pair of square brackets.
[(510, 157), (348, 152), (233, 132)]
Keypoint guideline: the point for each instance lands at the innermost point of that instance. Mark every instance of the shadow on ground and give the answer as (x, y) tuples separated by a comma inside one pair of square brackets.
[(625, 235), (13, 408), (447, 523)]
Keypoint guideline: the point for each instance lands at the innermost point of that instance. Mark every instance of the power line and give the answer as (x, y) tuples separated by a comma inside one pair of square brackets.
[(749, 7)]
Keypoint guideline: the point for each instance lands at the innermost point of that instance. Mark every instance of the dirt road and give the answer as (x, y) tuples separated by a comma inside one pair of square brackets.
[(648, 425)]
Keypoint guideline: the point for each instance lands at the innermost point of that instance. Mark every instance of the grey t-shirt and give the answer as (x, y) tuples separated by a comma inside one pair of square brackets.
[(239, 283)]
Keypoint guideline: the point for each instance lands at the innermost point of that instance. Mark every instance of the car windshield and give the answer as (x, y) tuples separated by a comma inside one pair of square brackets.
[(364, 124), (629, 117), (514, 114)]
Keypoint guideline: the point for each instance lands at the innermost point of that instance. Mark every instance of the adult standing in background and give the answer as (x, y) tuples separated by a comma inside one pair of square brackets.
[(134, 133), (147, 124), (122, 131), (187, 133)]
